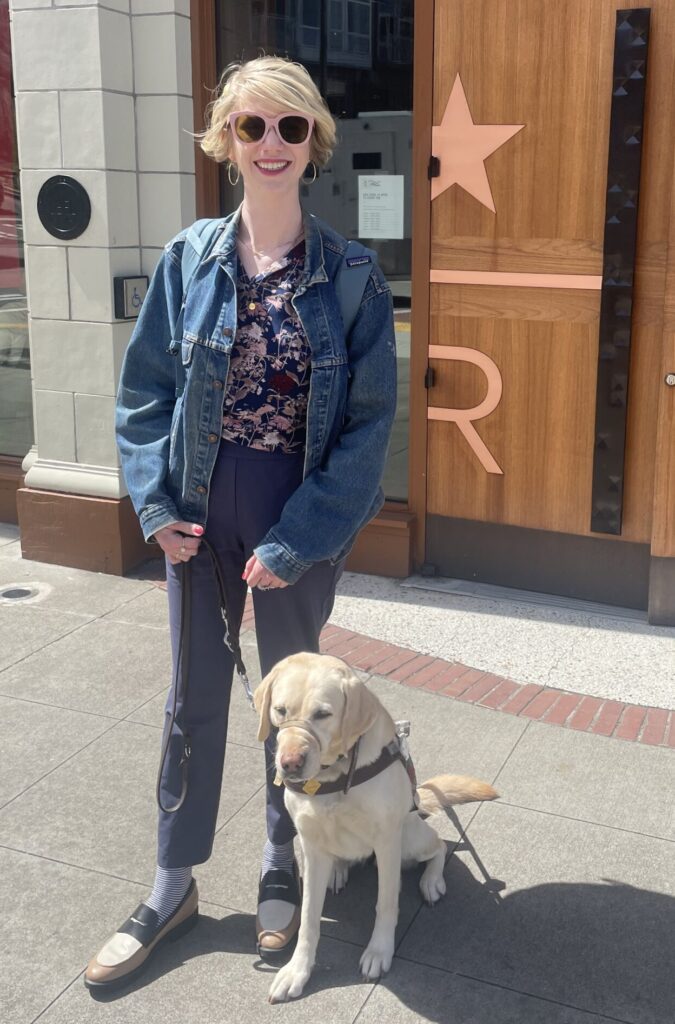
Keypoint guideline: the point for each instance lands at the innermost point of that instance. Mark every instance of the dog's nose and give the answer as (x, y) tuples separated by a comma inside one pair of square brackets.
[(292, 762)]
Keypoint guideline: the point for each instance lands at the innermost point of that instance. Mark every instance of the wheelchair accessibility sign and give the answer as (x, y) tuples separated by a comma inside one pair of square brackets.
[(129, 295)]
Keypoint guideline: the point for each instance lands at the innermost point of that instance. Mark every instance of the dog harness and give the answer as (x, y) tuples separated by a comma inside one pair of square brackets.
[(396, 750)]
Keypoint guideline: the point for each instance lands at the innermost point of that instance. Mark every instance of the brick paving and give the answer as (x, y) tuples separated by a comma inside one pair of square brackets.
[(632, 723), (629, 722)]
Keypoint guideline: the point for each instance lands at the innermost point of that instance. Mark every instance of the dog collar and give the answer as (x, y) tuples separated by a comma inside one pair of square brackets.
[(354, 776)]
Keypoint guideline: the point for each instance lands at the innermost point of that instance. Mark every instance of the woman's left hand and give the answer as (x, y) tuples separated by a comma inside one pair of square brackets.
[(257, 575)]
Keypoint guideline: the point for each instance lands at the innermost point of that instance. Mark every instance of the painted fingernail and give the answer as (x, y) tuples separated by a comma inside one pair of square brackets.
[(199, 530)]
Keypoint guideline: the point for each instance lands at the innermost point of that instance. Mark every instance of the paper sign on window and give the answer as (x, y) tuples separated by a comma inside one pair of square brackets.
[(381, 205)]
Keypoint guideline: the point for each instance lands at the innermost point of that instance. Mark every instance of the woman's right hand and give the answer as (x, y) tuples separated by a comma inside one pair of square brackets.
[(179, 541)]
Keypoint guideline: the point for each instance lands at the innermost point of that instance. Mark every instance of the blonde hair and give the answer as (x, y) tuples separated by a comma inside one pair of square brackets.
[(279, 84)]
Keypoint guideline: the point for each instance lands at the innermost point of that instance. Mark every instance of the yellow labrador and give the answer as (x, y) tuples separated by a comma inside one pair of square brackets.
[(331, 724)]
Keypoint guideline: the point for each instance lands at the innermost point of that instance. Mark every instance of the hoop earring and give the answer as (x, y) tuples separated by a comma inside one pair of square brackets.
[(229, 174), (310, 181)]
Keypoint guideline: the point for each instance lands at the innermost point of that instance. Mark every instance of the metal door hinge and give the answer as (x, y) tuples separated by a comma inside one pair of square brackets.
[(430, 378), (434, 169)]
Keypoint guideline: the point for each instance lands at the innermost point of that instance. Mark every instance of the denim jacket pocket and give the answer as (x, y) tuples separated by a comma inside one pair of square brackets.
[(326, 362), (215, 344)]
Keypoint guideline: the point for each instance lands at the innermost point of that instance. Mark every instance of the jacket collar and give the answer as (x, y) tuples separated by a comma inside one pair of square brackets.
[(315, 269), (226, 243), (225, 248)]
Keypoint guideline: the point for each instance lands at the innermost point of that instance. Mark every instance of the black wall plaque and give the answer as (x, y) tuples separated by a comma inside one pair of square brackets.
[(63, 207), (623, 182)]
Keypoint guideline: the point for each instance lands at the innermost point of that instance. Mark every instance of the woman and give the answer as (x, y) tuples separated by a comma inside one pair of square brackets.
[(219, 431)]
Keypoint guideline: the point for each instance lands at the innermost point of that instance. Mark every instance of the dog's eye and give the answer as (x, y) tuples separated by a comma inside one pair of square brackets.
[(280, 711), (322, 714)]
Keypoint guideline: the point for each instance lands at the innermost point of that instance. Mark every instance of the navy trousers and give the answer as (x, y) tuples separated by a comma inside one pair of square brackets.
[(248, 491)]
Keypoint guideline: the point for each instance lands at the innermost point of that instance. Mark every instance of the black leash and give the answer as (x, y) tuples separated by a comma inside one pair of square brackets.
[(231, 641)]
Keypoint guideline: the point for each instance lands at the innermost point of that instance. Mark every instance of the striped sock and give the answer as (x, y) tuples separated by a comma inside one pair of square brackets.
[(279, 857), (169, 889)]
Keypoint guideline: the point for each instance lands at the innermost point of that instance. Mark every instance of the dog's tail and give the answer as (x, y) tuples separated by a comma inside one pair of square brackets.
[(446, 790)]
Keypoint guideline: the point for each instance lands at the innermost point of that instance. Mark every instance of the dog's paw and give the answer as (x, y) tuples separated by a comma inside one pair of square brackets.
[(339, 877), (432, 887), (289, 982), (376, 960)]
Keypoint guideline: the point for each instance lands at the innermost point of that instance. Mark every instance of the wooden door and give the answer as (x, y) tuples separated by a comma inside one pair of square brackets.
[(548, 278)]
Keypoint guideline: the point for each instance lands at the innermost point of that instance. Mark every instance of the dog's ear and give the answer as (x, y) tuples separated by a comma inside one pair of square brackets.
[(262, 698), (361, 710)]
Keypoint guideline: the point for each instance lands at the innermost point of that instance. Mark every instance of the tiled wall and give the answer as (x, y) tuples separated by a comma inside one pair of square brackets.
[(104, 94)]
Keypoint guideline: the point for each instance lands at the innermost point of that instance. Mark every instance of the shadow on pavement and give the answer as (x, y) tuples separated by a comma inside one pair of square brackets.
[(603, 948)]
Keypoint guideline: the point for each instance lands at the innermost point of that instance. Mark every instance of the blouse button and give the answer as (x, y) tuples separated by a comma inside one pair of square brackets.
[(213, 438), (251, 306), (201, 489), (227, 332)]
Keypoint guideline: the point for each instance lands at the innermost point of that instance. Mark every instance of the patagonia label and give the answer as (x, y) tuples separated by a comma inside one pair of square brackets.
[(356, 261)]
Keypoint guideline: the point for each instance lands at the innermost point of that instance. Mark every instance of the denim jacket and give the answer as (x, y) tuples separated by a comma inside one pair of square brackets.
[(172, 385)]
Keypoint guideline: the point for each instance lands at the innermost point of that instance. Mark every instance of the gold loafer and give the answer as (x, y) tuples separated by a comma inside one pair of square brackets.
[(278, 917)]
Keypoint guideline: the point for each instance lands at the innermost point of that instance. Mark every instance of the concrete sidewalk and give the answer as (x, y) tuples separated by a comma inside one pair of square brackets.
[(560, 904)]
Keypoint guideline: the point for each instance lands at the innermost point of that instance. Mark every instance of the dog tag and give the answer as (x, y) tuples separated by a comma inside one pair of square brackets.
[(311, 787), (278, 781)]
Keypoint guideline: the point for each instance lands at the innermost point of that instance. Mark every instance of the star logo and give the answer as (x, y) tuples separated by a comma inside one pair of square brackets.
[(462, 148)]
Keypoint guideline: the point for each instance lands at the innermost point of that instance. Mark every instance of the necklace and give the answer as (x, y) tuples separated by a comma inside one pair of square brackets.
[(261, 254)]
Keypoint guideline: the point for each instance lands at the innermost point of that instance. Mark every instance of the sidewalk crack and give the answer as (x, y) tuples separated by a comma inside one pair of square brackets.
[(69, 985), (366, 1000), (60, 765), (510, 754), (49, 643)]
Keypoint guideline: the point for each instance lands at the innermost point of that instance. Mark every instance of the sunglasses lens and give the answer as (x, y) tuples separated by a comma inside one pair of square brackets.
[(249, 128), (294, 129)]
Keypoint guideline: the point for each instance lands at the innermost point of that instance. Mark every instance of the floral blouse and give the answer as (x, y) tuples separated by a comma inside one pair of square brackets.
[(268, 380)]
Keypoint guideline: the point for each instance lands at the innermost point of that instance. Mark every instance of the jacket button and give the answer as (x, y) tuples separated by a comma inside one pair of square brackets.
[(218, 384), (227, 332), (201, 489), (213, 438)]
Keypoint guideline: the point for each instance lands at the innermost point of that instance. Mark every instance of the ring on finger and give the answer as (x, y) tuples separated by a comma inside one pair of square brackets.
[(182, 549)]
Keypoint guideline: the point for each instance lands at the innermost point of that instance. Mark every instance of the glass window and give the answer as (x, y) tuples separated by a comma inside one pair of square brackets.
[(310, 37), (361, 44), (358, 17), (311, 14), (336, 15), (366, 79), (16, 416)]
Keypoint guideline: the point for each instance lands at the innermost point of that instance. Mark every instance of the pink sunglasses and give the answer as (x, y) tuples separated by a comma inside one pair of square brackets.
[(293, 129)]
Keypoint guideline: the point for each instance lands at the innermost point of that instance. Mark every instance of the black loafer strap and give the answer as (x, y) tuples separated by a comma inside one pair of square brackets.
[(279, 885), (144, 922), (142, 925)]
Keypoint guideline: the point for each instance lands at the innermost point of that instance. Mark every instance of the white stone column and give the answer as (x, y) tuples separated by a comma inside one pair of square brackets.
[(103, 94), (164, 121)]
